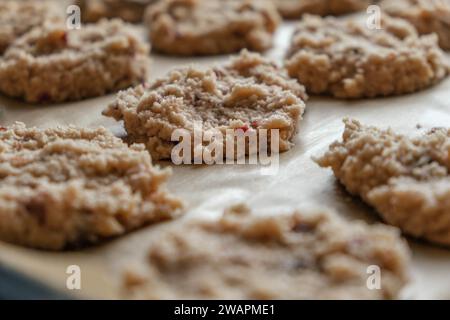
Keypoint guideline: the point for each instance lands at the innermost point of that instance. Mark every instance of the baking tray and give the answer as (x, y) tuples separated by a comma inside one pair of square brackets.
[(207, 190)]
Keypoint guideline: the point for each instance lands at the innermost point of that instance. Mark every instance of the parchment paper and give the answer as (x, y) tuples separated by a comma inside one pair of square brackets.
[(207, 190)]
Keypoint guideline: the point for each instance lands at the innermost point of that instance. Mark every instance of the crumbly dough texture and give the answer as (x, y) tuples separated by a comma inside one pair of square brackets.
[(406, 179), (19, 17), (302, 255), (345, 59), (127, 10), (207, 27), (65, 187), (248, 93), (52, 64), (428, 16), (292, 9)]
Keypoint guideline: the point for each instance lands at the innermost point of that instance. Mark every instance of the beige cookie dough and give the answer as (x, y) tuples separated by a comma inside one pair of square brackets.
[(66, 187), (208, 27), (346, 59), (405, 178), (19, 17), (292, 9), (127, 10), (248, 93), (52, 64), (301, 255), (428, 16)]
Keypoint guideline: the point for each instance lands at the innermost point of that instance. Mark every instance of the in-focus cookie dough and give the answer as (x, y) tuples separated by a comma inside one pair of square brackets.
[(428, 16), (292, 9), (406, 179), (52, 64), (207, 27), (248, 93), (128, 10), (19, 17), (302, 255), (65, 187), (346, 59)]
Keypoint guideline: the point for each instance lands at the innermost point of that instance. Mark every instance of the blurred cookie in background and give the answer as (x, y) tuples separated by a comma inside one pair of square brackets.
[(292, 9), (66, 187), (53, 64), (406, 179), (19, 17), (296, 255), (209, 27), (345, 59), (428, 16)]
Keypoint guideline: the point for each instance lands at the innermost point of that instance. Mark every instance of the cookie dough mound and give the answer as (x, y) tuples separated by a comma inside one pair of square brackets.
[(19, 17), (292, 9), (52, 64), (345, 59), (249, 93), (65, 187), (428, 16), (406, 179), (303, 255), (207, 27), (127, 10)]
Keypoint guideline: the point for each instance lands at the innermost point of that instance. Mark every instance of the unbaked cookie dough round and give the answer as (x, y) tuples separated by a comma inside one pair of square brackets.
[(208, 27), (428, 16), (66, 187), (53, 64), (249, 93), (292, 9), (127, 10), (346, 59), (406, 179), (19, 17), (300, 255)]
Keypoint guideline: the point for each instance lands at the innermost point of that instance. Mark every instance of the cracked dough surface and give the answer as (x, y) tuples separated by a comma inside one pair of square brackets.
[(301, 255), (208, 27), (406, 179), (345, 59), (428, 16), (66, 186), (52, 64), (248, 93), (19, 17), (128, 10), (293, 9)]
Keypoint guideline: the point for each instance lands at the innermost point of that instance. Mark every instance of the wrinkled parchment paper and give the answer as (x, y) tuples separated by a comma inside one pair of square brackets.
[(207, 190)]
